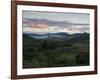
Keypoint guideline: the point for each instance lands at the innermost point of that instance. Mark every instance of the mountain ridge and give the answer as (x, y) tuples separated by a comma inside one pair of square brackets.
[(57, 35)]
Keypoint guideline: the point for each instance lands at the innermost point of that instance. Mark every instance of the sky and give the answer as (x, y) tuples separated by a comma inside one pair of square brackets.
[(44, 22)]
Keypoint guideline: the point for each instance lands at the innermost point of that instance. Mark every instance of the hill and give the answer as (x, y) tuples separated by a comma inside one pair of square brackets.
[(57, 50)]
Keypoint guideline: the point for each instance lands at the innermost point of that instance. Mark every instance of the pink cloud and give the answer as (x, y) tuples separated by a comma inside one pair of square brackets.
[(78, 29), (37, 26)]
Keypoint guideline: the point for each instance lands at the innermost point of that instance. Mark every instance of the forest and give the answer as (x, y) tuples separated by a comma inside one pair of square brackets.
[(56, 50)]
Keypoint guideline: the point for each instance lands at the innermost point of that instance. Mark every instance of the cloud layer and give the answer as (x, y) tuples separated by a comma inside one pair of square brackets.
[(42, 24), (45, 26)]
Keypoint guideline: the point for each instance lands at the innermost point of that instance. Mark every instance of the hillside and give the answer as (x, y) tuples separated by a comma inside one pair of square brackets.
[(57, 50)]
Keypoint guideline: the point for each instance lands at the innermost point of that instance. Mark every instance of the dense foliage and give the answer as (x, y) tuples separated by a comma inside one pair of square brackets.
[(72, 50)]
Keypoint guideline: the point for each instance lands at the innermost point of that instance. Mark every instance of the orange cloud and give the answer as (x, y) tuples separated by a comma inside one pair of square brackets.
[(38, 25)]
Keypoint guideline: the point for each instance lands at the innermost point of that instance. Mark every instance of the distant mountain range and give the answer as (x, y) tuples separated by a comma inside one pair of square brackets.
[(57, 35)]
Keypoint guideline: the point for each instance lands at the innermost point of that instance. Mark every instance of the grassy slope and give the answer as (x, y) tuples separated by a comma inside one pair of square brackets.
[(55, 53)]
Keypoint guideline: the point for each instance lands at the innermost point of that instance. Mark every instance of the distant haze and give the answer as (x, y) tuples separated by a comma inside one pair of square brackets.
[(53, 22)]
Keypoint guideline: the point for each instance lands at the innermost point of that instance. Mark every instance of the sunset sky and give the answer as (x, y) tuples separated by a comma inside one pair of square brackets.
[(44, 22)]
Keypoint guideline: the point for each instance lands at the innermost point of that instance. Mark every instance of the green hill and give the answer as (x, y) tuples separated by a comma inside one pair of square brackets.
[(56, 52)]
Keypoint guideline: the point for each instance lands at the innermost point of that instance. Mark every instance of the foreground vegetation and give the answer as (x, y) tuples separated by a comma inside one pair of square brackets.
[(73, 50)]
